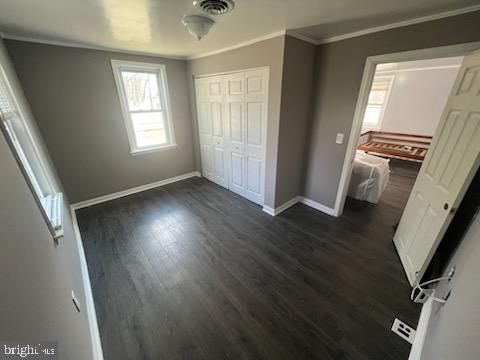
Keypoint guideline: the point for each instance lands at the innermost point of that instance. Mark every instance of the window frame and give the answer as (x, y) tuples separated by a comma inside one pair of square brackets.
[(16, 129), (378, 126), (160, 70)]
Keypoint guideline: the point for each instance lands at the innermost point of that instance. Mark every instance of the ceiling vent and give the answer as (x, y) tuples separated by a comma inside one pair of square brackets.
[(214, 7)]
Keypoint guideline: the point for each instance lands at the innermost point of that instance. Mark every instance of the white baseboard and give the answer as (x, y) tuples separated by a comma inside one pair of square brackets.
[(317, 206), (89, 304), (421, 332), (281, 208), (303, 200), (104, 198), (268, 210)]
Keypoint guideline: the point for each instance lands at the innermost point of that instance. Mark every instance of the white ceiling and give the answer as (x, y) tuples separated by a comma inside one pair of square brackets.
[(154, 26)]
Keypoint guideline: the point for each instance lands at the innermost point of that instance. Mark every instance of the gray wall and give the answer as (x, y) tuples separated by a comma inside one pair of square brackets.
[(298, 67), (37, 276), (339, 70), (72, 94), (264, 53), (454, 327)]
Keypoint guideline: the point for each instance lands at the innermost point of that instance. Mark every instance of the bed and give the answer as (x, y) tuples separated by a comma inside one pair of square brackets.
[(410, 147), (370, 175)]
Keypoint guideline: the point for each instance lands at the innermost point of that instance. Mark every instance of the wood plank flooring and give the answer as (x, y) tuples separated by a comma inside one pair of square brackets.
[(193, 271)]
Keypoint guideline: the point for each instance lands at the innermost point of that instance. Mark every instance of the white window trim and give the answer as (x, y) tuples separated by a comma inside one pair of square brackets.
[(379, 125), (51, 202), (163, 85)]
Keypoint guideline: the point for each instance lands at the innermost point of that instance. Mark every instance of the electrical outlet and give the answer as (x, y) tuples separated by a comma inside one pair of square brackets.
[(403, 330)]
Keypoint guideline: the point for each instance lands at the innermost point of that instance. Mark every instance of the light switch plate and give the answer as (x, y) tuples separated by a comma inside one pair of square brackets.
[(339, 139)]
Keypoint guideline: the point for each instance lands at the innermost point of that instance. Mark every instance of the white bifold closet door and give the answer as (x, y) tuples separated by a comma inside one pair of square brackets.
[(211, 129), (232, 122)]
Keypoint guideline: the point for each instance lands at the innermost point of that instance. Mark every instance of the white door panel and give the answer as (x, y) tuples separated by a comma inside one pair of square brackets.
[(211, 129), (254, 123), (446, 173), (207, 161), (256, 98), (217, 119), (235, 116), (253, 175), (236, 173), (232, 116)]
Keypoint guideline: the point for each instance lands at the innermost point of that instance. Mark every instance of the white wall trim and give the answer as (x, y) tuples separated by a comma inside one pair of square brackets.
[(74, 44), (239, 45), (199, 76), (421, 332), (119, 194), (268, 210), (89, 304), (313, 204), (317, 206), (368, 74), (399, 24), (281, 208), (305, 38), (426, 68)]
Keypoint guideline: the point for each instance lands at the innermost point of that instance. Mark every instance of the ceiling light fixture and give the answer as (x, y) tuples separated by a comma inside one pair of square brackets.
[(214, 7), (198, 25)]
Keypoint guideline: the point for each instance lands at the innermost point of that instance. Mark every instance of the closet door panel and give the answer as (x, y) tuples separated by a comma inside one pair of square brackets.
[(217, 119), (234, 103), (256, 126)]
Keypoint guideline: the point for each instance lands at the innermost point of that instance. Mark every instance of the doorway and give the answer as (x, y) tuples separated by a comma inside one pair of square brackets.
[(424, 220)]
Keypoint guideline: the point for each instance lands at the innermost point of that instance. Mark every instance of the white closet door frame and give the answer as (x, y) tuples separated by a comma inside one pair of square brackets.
[(264, 128)]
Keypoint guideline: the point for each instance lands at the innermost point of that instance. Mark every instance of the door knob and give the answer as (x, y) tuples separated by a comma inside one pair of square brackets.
[(445, 206)]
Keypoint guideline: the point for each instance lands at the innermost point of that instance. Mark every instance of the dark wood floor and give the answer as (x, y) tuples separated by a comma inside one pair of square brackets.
[(193, 271)]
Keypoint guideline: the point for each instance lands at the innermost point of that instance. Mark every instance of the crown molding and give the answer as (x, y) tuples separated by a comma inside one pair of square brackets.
[(399, 24), (303, 37), (74, 44), (239, 45)]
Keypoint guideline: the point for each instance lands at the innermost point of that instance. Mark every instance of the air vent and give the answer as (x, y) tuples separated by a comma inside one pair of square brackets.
[(214, 7)]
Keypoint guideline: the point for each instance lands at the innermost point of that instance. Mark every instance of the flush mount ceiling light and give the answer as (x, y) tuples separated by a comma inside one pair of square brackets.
[(197, 25), (214, 7)]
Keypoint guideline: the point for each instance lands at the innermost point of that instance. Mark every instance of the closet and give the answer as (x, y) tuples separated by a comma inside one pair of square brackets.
[(232, 126)]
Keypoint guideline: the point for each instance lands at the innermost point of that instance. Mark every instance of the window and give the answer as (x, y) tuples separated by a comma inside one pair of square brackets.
[(143, 93), (377, 101), (20, 140)]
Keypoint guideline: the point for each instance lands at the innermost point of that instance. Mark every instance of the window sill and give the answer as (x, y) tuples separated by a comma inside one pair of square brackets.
[(52, 205), (153, 149)]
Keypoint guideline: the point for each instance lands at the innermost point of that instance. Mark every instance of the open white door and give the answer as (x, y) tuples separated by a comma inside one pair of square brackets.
[(445, 175)]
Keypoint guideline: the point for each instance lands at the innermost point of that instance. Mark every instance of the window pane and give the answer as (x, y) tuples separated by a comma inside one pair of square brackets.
[(377, 97), (381, 85), (372, 115), (149, 128), (141, 90)]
